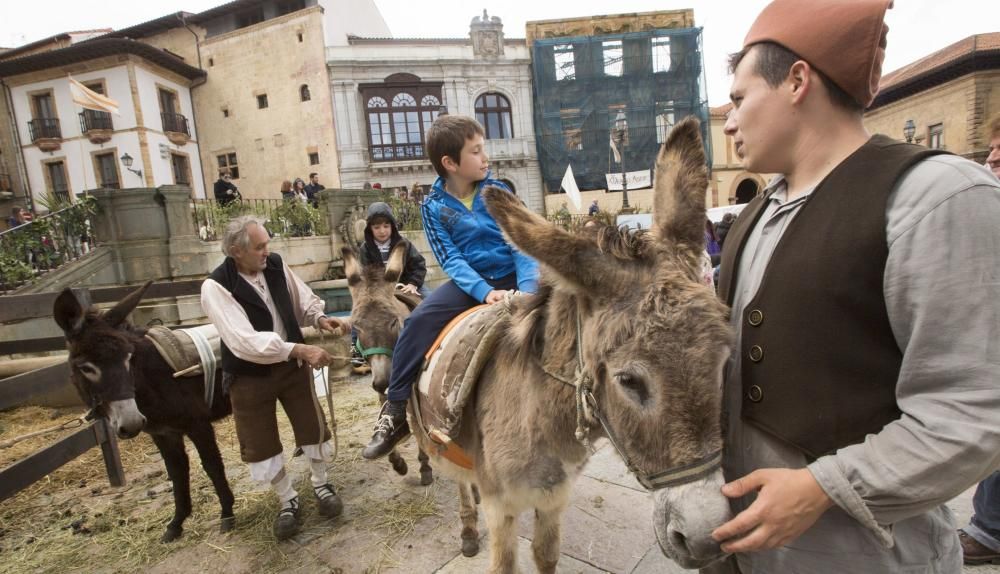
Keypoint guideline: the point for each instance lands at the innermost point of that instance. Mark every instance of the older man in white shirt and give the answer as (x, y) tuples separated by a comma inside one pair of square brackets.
[(258, 306)]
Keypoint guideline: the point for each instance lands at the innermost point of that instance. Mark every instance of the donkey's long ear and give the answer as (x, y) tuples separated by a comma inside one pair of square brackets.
[(68, 313), (352, 269), (576, 259), (679, 190), (117, 314), (397, 258)]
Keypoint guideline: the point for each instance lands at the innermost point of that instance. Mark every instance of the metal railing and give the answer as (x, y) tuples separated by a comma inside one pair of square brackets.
[(174, 123), (95, 120), (46, 243), (285, 218), (40, 128), (397, 152)]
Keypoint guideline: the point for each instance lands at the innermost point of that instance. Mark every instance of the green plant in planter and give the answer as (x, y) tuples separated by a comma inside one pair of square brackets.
[(296, 219)]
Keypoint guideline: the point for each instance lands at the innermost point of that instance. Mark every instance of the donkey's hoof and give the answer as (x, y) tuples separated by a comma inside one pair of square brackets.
[(399, 465), (227, 524), (426, 478), (172, 533), (470, 547)]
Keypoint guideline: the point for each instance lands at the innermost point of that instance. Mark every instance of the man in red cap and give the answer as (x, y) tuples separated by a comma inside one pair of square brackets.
[(862, 391)]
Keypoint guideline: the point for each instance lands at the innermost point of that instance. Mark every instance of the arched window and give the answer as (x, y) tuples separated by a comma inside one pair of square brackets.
[(397, 124), (493, 111), (304, 93)]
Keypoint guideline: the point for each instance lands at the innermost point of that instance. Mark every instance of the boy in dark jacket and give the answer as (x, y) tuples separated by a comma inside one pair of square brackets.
[(381, 235)]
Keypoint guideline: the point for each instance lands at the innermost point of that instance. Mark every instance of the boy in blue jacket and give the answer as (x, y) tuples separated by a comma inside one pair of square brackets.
[(471, 249)]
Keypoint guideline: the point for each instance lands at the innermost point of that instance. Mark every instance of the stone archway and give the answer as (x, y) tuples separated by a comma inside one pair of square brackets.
[(746, 190)]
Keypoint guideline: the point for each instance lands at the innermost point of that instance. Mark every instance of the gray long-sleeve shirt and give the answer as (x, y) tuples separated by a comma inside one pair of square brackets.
[(942, 292)]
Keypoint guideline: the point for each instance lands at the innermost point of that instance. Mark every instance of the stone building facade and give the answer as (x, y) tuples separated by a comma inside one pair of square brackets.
[(387, 92), (947, 97)]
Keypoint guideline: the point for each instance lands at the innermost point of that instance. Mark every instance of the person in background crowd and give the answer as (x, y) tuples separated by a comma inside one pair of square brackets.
[(225, 191), (286, 190), (17, 217), (313, 189), (861, 394), (593, 209)]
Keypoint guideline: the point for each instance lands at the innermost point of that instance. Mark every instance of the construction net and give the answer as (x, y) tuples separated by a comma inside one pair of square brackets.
[(601, 101)]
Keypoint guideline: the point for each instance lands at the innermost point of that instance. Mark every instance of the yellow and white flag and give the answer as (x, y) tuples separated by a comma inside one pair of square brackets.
[(91, 100)]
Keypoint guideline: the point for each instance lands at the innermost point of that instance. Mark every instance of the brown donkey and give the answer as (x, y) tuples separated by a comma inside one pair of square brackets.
[(120, 375), (623, 333), (377, 315)]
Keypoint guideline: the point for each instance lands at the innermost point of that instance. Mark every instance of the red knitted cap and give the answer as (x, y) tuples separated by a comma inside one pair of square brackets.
[(844, 39)]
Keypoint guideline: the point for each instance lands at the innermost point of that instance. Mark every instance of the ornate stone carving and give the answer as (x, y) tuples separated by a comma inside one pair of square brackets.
[(487, 36)]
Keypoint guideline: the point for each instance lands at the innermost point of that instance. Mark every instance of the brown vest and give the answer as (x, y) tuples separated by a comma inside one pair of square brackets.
[(819, 360)]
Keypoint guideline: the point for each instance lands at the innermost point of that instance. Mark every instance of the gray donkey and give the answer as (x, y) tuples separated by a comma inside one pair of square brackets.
[(621, 341)]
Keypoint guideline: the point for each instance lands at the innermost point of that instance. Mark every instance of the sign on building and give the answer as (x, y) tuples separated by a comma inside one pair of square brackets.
[(636, 180)]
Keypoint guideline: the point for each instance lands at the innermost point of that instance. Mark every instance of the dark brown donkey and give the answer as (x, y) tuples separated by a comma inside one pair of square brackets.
[(121, 376), (377, 314), (621, 341)]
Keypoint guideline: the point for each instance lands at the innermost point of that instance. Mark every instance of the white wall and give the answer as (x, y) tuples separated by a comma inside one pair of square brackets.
[(352, 17), (76, 149)]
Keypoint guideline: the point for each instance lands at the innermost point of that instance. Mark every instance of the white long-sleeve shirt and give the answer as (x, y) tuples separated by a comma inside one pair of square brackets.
[(235, 330)]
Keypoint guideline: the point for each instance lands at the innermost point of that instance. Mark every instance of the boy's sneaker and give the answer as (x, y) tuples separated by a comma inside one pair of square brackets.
[(390, 430)]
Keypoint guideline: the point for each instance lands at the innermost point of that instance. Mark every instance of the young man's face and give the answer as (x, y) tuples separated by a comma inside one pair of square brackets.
[(758, 121), (993, 160), (382, 231), (474, 163), (314, 179)]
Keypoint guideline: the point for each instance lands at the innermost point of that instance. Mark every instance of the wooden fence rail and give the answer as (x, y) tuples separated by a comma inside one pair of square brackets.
[(18, 390), (37, 466)]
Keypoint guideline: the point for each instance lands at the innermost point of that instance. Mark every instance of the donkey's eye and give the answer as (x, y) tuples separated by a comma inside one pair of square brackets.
[(634, 386)]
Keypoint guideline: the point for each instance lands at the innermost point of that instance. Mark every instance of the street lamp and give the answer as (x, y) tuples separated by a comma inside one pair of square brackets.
[(127, 162), (621, 140), (909, 128)]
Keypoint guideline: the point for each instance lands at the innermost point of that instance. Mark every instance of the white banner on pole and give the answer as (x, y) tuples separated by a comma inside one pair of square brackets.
[(572, 191), (636, 180)]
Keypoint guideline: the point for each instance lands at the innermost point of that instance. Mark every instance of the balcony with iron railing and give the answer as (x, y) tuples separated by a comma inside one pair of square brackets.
[(96, 126), (175, 126), (45, 133)]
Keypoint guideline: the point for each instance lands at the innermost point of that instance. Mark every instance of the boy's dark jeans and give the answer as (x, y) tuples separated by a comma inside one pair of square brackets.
[(422, 327)]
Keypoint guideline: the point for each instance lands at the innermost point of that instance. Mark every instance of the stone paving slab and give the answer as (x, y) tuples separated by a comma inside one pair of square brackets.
[(480, 562), (605, 525)]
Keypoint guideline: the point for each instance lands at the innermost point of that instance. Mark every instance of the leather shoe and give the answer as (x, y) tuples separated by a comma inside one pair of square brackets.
[(390, 430), (287, 524), (974, 552)]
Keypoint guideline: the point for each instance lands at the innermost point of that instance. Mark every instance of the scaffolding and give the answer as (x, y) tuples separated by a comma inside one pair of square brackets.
[(651, 79)]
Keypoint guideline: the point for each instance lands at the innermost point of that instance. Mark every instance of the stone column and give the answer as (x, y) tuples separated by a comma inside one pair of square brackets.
[(339, 204), (134, 224)]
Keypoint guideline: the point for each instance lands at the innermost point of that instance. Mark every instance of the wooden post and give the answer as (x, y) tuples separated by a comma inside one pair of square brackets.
[(109, 448)]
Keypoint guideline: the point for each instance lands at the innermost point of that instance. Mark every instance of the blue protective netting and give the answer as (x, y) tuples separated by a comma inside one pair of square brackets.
[(655, 77)]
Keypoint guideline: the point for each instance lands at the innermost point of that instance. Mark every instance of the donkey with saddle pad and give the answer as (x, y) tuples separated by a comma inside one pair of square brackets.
[(378, 310), (621, 341), (121, 375)]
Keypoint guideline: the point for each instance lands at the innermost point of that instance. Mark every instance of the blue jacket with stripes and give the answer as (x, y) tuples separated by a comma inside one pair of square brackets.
[(469, 245)]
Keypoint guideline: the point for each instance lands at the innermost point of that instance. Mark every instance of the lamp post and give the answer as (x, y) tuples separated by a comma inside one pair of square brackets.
[(909, 128), (127, 162), (621, 141)]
